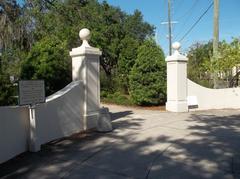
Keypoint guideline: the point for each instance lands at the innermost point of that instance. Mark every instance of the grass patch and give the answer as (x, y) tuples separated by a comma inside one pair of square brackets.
[(116, 98)]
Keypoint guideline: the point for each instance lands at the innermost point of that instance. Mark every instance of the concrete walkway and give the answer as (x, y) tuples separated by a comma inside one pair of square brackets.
[(144, 144)]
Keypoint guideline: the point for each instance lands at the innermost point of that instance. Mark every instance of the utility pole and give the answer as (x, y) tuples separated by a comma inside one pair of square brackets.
[(169, 23), (215, 39), (169, 27)]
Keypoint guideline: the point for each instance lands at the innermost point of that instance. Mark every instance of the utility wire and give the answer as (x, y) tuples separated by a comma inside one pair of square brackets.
[(188, 14), (180, 3), (190, 10), (205, 12), (174, 12)]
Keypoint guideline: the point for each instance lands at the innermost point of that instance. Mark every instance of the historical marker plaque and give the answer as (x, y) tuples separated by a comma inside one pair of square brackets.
[(31, 92)]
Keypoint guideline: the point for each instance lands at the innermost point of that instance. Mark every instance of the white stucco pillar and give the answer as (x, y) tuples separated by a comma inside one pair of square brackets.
[(176, 81), (33, 144), (85, 67)]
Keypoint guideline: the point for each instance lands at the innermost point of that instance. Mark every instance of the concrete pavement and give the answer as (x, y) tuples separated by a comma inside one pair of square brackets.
[(144, 144)]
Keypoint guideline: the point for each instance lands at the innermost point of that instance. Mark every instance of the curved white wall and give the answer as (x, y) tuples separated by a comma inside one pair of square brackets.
[(61, 115), (214, 98), (14, 122)]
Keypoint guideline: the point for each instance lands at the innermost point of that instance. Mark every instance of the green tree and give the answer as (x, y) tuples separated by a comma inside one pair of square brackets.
[(10, 30), (135, 26), (126, 61), (27, 31), (48, 60), (7, 91), (109, 26), (199, 63), (229, 62), (148, 75)]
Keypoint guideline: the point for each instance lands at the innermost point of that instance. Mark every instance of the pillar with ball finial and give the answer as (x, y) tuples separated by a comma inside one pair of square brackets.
[(85, 68), (177, 81)]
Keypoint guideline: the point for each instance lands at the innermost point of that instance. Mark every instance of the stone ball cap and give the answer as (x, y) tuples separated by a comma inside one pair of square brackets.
[(176, 45), (84, 34)]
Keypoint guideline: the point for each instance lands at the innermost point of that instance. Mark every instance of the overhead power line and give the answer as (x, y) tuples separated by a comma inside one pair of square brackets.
[(189, 11), (179, 5), (188, 14), (191, 28)]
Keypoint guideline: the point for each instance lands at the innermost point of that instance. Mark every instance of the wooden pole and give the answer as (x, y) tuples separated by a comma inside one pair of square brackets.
[(215, 39), (169, 27)]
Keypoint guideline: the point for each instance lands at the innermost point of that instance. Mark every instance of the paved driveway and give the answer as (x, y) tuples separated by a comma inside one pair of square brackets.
[(144, 144)]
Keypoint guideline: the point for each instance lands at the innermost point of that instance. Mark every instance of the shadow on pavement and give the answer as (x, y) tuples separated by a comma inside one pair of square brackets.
[(210, 149), (118, 115)]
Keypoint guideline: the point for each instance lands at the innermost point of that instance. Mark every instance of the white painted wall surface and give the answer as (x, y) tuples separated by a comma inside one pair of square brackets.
[(14, 122), (61, 115), (214, 98)]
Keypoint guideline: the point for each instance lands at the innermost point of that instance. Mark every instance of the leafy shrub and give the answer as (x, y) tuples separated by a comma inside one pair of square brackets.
[(48, 60), (116, 98), (148, 75), (7, 91)]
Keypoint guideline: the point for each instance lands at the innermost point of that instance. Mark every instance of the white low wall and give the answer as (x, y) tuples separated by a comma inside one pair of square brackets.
[(61, 115), (214, 98), (14, 122)]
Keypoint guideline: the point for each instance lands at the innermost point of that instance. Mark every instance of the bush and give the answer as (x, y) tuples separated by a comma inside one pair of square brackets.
[(7, 91), (116, 98), (126, 61), (148, 75), (48, 60)]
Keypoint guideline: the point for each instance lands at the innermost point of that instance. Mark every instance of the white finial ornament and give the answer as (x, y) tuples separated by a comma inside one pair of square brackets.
[(176, 46), (85, 35)]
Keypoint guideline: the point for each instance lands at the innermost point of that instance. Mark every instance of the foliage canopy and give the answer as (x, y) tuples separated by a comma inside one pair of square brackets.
[(201, 64), (148, 75)]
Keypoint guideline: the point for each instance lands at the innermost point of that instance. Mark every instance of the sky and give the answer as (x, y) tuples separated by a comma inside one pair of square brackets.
[(186, 12)]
